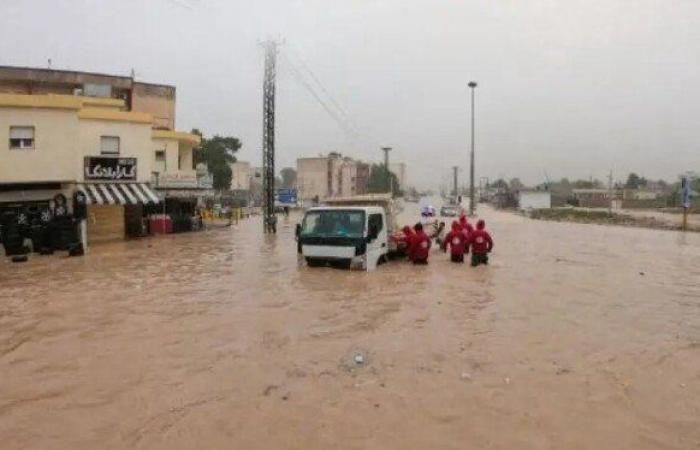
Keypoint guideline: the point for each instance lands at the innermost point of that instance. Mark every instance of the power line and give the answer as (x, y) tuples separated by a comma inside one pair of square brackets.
[(329, 108), (320, 85)]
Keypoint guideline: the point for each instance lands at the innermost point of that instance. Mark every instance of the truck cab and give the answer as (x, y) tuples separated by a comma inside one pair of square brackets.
[(344, 236)]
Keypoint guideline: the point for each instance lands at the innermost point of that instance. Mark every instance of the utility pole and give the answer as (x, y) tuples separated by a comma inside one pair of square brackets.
[(389, 184), (454, 181), (268, 148), (610, 192), (472, 206)]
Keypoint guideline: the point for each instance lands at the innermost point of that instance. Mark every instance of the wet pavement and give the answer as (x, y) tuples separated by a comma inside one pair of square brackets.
[(576, 336)]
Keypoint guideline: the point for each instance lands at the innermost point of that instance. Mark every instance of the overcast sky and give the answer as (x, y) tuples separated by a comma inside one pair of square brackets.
[(568, 87)]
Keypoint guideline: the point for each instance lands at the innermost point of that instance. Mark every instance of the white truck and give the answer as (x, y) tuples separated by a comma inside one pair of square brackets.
[(349, 232)]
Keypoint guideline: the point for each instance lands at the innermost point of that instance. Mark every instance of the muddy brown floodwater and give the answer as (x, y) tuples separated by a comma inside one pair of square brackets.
[(576, 337)]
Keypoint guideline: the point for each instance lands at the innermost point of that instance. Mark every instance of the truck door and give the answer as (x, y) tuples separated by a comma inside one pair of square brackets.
[(376, 247)]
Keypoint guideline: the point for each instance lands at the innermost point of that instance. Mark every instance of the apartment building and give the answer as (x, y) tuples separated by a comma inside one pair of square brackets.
[(330, 176), (107, 137)]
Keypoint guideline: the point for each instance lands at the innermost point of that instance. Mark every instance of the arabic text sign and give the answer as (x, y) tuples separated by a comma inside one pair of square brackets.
[(110, 169)]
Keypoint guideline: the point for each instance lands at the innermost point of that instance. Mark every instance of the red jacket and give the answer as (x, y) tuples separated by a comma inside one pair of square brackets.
[(419, 246), (464, 223), (480, 241), (456, 239)]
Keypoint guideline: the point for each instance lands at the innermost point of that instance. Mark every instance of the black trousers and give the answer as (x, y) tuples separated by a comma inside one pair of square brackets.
[(479, 258), (457, 258)]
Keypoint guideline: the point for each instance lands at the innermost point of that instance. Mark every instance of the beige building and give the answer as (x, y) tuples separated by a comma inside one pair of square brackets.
[(108, 138), (240, 176), (330, 176)]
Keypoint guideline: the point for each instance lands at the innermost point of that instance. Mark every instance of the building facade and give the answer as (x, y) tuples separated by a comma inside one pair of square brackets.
[(399, 169), (330, 176), (106, 137), (240, 176)]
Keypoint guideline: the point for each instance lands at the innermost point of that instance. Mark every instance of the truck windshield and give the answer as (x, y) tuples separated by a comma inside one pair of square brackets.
[(334, 223)]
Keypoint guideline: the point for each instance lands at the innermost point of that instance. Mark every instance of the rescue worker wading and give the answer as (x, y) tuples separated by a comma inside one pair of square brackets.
[(464, 223), (419, 245), (405, 242), (481, 244), (457, 241)]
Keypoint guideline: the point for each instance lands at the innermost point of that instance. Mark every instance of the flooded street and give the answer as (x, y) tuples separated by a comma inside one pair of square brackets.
[(576, 336)]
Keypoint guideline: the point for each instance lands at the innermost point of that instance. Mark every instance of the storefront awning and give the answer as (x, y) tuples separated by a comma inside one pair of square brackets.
[(118, 193)]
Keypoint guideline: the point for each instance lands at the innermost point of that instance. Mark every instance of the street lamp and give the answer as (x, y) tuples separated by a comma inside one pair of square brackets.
[(472, 86)]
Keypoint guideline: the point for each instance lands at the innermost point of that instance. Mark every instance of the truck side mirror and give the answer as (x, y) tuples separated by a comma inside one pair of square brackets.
[(297, 231)]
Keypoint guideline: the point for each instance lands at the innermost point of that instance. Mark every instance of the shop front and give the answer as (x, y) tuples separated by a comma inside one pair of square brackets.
[(183, 193), (116, 201)]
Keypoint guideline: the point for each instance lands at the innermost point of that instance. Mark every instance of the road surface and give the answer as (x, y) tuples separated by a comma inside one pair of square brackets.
[(576, 336)]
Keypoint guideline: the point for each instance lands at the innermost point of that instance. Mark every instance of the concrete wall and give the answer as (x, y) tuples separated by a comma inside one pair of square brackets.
[(241, 174), (172, 153), (55, 136), (631, 203), (158, 101), (312, 178), (135, 141), (186, 157), (534, 200)]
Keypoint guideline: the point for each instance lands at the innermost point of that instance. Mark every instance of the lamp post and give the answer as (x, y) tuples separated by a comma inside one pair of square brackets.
[(472, 86)]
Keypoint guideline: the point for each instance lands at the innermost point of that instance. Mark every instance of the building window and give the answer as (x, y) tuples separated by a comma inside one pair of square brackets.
[(109, 145), (21, 138)]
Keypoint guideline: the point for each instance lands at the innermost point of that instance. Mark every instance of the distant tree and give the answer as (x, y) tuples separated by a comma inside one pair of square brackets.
[(377, 183), (515, 184), (587, 184), (561, 187), (500, 184), (662, 185), (634, 181), (217, 153), (289, 178)]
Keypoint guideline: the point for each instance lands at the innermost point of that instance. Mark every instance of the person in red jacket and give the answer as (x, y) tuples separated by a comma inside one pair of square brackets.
[(464, 223), (481, 244), (405, 241), (419, 245), (457, 240)]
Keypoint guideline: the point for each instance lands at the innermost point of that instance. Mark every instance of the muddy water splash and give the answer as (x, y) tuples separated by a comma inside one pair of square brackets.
[(576, 336)]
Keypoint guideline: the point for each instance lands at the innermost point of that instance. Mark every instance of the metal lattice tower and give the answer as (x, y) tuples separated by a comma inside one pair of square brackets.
[(268, 147)]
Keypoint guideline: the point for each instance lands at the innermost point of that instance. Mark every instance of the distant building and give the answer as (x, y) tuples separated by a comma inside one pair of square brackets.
[(593, 198), (240, 176), (330, 176), (534, 199), (399, 169), (639, 194)]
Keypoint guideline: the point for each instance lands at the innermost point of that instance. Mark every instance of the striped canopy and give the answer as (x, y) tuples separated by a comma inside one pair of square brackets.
[(118, 193)]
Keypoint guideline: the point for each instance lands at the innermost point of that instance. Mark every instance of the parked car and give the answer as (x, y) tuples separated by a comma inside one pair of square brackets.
[(449, 211)]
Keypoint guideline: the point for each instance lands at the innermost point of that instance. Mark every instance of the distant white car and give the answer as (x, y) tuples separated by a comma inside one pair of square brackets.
[(449, 211), (427, 211)]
